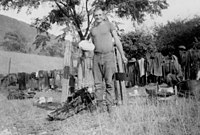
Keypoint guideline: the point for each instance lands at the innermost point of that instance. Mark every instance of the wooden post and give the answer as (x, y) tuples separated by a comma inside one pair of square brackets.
[(80, 70), (9, 66), (85, 75), (66, 68), (121, 69)]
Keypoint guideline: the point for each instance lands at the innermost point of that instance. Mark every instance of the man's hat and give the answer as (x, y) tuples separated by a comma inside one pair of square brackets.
[(182, 47), (86, 45)]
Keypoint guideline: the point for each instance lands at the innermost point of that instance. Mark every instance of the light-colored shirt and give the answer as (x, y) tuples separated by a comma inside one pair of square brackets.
[(102, 37), (171, 65)]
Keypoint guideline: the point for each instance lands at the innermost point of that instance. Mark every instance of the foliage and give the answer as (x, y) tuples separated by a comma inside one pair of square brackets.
[(42, 25), (135, 9), (41, 40), (137, 44), (14, 41), (76, 15), (196, 43), (56, 50), (180, 32), (166, 38)]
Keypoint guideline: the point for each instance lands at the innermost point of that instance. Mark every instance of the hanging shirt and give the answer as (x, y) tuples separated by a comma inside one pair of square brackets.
[(154, 66), (171, 65), (141, 67)]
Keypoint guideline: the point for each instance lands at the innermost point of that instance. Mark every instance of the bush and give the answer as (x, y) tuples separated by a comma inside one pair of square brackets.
[(137, 44), (14, 41), (180, 32)]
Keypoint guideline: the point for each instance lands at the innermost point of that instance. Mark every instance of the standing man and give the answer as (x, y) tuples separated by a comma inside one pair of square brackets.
[(102, 34)]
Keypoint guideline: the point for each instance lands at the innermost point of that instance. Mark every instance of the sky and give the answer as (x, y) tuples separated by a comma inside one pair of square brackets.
[(178, 9)]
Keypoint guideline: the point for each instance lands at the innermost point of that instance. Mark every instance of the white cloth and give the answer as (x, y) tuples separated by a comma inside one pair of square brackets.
[(86, 45), (141, 66), (37, 74), (198, 75)]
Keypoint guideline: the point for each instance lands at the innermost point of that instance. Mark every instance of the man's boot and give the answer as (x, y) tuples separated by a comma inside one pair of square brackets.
[(100, 106)]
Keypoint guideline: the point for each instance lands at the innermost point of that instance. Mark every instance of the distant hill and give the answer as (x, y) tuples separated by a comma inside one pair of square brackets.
[(21, 62), (8, 24)]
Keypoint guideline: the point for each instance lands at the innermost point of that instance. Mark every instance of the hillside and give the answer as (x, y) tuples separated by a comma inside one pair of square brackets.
[(8, 24), (27, 62)]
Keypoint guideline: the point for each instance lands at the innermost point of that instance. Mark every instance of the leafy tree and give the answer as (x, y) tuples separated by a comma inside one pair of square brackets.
[(76, 15), (137, 44), (41, 40), (15, 41), (56, 50), (180, 32)]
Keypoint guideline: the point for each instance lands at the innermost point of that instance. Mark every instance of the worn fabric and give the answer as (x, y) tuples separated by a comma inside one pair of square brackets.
[(85, 73), (103, 69), (172, 70), (141, 65), (103, 61), (187, 69), (171, 65), (134, 72), (198, 75), (10, 79), (182, 57), (43, 80), (58, 78), (172, 79), (33, 82), (102, 37), (158, 61), (155, 61), (22, 80), (194, 62)]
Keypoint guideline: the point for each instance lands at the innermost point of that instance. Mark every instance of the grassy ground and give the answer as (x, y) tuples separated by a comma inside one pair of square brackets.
[(139, 117)]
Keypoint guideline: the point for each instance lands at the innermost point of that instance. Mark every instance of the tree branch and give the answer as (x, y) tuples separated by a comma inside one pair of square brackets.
[(60, 8), (88, 19), (78, 27), (73, 14), (63, 4)]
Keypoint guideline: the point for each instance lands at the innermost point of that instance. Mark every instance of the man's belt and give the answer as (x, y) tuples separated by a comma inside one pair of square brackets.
[(97, 52)]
